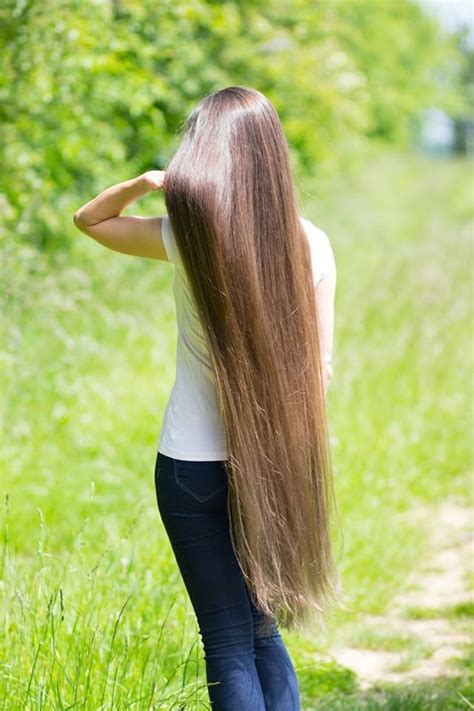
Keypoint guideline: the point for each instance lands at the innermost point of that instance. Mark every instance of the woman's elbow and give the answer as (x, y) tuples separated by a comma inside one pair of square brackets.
[(77, 219)]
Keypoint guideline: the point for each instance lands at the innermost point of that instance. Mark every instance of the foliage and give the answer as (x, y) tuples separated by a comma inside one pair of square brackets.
[(94, 92)]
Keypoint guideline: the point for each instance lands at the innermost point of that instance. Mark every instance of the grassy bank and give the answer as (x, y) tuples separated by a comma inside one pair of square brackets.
[(94, 611)]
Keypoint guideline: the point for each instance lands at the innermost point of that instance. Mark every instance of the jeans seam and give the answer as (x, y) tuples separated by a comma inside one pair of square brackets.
[(189, 491)]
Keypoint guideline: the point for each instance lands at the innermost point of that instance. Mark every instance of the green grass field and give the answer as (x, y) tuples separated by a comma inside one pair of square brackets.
[(94, 613)]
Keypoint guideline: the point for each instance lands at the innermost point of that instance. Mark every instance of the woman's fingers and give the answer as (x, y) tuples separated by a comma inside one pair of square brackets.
[(154, 179)]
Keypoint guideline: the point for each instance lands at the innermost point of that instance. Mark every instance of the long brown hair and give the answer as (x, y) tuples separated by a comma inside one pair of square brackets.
[(232, 205)]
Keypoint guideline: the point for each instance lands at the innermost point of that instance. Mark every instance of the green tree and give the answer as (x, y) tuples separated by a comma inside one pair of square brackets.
[(92, 92)]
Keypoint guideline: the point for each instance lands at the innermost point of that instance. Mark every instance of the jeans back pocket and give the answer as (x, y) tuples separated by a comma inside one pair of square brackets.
[(202, 480)]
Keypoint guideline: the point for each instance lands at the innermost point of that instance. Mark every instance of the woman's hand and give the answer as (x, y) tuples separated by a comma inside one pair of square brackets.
[(154, 179)]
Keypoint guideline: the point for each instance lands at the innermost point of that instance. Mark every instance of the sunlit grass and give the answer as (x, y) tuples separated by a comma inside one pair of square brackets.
[(94, 611), (462, 610)]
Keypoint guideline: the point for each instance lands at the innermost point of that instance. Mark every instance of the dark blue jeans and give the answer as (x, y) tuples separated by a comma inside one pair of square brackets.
[(248, 667)]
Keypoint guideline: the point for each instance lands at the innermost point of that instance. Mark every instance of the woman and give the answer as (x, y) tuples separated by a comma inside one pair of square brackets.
[(243, 468)]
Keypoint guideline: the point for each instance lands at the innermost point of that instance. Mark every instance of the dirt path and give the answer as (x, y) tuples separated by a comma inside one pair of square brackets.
[(438, 586)]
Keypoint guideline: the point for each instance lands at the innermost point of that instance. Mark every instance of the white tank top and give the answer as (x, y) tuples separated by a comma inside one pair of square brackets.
[(192, 428)]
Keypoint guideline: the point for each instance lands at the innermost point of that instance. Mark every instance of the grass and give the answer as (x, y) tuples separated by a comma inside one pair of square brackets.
[(438, 695), (461, 610), (371, 638), (94, 613)]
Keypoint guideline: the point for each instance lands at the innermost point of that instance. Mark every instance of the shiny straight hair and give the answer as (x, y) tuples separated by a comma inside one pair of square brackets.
[(233, 208)]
